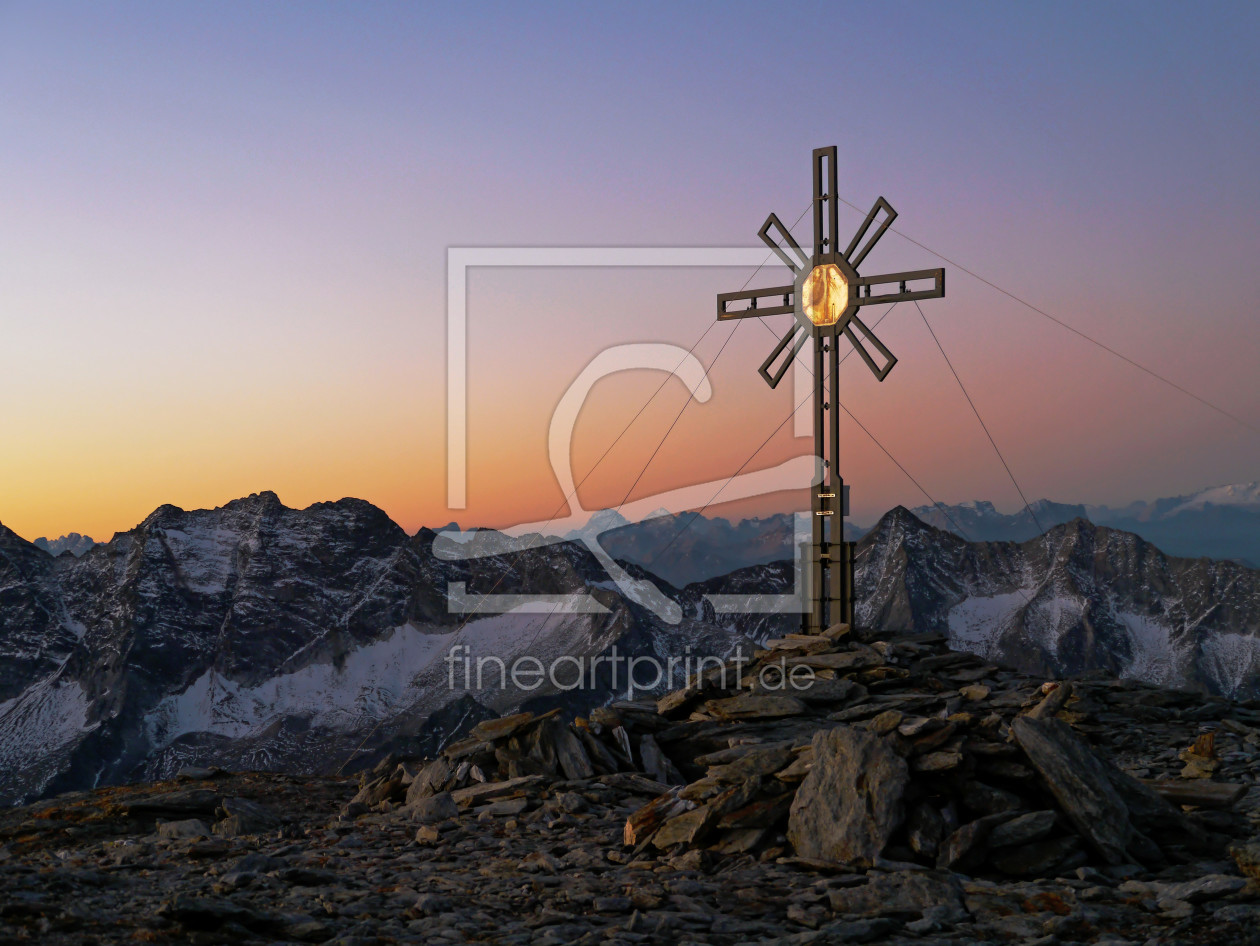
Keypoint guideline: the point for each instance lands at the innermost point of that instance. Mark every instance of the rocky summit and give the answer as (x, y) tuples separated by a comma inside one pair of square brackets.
[(843, 788)]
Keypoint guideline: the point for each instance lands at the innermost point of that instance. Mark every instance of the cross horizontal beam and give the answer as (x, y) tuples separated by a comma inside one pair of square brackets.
[(782, 304), (780, 300), (903, 292)]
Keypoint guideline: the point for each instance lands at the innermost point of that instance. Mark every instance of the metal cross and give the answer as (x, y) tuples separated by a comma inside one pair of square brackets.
[(825, 295)]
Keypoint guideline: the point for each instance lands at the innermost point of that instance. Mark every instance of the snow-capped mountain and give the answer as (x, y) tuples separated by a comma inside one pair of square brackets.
[(605, 520), (1239, 496), (1221, 522), (1079, 599), (258, 636), (77, 545), (1218, 522)]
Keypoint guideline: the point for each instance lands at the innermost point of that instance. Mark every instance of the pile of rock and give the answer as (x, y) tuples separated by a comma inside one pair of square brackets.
[(502, 759), (878, 757), (836, 751)]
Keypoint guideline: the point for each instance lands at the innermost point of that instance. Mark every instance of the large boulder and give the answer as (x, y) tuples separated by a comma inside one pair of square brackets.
[(850, 803)]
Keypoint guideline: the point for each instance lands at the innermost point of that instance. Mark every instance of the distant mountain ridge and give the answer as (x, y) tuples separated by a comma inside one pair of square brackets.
[(1218, 522), (77, 545), (981, 522), (690, 547), (1221, 522), (1236, 495)]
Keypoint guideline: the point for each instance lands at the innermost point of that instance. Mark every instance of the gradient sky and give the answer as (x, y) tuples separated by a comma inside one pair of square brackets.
[(223, 235)]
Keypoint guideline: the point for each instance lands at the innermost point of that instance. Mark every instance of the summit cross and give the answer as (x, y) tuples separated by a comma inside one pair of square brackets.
[(824, 296)]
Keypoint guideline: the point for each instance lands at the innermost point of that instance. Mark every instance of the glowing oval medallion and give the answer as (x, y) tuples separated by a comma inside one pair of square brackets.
[(825, 295)]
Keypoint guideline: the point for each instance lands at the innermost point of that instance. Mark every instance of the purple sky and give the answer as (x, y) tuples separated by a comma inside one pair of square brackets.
[(224, 233)]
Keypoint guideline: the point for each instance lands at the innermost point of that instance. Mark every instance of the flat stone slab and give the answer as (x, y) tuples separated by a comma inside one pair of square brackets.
[(750, 706), (474, 794), (1080, 783)]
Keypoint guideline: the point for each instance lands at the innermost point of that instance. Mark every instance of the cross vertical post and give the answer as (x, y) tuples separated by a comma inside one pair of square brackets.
[(825, 183), (829, 556), (817, 559)]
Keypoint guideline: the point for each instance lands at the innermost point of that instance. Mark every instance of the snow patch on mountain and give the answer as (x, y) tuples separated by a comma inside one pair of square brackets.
[(977, 623), (604, 520), (980, 506), (371, 682), (40, 722), (1048, 615), (1231, 660), (1154, 656)]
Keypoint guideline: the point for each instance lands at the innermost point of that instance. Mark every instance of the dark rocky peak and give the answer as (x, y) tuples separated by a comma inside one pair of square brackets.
[(1098, 551), (899, 517), (251, 511), (21, 562), (899, 526), (11, 541), (167, 512), (1080, 531), (259, 522), (264, 500), (358, 515), (254, 509)]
